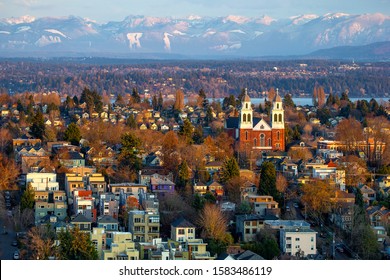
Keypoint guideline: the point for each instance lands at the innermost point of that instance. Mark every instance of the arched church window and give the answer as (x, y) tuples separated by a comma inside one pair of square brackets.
[(244, 118), (249, 117), (280, 117), (269, 142), (277, 105), (275, 118), (246, 105), (278, 135), (246, 135), (262, 140)]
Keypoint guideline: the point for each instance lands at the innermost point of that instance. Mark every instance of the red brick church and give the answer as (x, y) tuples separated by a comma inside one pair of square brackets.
[(256, 133)]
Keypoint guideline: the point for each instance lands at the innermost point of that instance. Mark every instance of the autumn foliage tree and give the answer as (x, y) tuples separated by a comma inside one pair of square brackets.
[(9, 173), (317, 197)]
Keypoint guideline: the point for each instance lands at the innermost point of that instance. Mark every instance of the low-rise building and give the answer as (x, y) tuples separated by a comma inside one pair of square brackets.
[(122, 247), (144, 225), (182, 230), (298, 242)]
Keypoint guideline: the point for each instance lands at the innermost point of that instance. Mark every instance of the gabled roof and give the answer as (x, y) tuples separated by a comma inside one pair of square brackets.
[(247, 255), (181, 222), (80, 218), (106, 219), (262, 125)]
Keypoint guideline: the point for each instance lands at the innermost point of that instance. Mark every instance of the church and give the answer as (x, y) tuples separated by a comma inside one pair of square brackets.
[(256, 133)]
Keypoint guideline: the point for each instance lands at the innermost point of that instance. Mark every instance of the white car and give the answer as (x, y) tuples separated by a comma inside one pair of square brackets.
[(16, 255)]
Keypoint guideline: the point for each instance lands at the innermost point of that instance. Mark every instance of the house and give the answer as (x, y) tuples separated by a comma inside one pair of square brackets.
[(127, 189), (34, 163), (263, 204), (384, 182), (161, 184), (143, 225), (247, 255), (97, 184), (182, 230), (84, 203), (122, 247), (198, 250), (98, 239), (110, 225), (147, 173), (71, 159), (50, 207), (213, 167), (247, 226), (73, 182), (200, 188), (108, 205), (43, 181), (369, 195), (298, 242), (82, 222), (216, 189), (378, 215)]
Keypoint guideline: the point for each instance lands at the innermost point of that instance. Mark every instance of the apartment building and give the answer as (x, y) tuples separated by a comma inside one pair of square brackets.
[(144, 225)]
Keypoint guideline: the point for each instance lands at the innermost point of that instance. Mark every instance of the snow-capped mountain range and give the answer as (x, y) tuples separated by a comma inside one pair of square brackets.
[(191, 36)]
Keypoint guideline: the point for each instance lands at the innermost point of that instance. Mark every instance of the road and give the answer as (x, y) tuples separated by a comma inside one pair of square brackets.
[(6, 248)]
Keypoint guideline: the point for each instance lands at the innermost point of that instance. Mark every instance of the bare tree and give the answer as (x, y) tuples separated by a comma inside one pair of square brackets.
[(213, 222)]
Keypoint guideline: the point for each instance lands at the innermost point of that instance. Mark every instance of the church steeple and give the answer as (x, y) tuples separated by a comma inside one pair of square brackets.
[(246, 112), (277, 114)]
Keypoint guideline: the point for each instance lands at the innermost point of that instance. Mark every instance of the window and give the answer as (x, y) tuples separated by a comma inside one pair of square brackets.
[(181, 231), (280, 118), (244, 118), (297, 246), (262, 140), (190, 230), (275, 118), (137, 220), (154, 219), (269, 142), (312, 239), (247, 230), (246, 135), (249, 117), (246, 105), (297, 239), (278, 135), (277, 105)]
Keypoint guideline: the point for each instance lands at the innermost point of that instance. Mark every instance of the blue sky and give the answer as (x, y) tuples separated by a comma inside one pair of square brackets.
[(116, 10)]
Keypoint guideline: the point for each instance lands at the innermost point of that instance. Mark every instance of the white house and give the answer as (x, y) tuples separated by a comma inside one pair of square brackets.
[(296, 241), (43, 181)]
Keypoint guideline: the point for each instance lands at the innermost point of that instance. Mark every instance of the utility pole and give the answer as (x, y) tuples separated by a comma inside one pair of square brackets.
[(333, 246)]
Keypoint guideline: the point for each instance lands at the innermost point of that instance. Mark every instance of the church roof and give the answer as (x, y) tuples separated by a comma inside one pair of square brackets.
[(278, 98), (246, 98)]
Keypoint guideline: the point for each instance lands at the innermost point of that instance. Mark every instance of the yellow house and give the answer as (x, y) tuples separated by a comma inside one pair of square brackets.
[(98, 238), (122, 248), (197, 250)]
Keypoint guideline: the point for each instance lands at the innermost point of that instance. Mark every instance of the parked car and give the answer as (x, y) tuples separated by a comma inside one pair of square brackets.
[(14, 243), (16, 255)]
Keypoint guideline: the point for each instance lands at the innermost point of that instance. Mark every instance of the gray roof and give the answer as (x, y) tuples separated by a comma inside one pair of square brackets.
[(181, 222), (106, 219), (80, 218), (247, 255)]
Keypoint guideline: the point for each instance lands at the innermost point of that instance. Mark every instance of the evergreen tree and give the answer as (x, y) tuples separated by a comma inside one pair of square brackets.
[(267, 184), (135, 96), (184, 175), (288, 101), (187, 130), (76, 245), (155, 103), (131, 122), (230, 169), (72, 134), (160, 102), (37, 127), (27, 201), (129, 154)]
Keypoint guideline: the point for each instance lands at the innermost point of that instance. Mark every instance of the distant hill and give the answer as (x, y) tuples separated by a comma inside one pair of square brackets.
[(373, 52)]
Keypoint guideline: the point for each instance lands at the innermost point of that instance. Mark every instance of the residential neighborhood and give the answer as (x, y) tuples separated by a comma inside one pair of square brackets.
[(203, 180)]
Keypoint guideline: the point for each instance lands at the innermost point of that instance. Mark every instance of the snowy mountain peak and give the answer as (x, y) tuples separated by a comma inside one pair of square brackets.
[(19, 20), (236, 19), (332, 16), (301, 19)]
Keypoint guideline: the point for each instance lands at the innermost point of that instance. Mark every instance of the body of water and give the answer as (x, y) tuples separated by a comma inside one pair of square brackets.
[(303, 101)]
